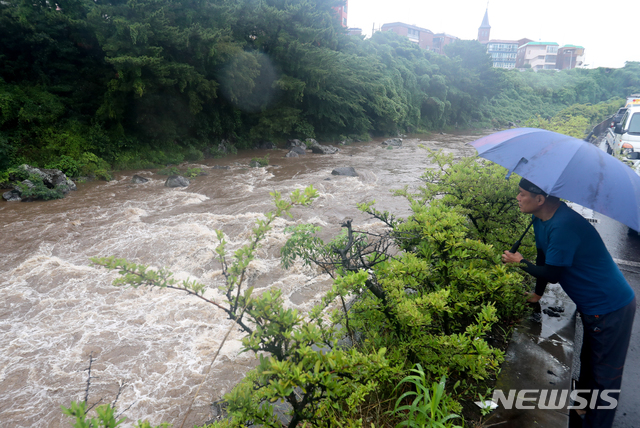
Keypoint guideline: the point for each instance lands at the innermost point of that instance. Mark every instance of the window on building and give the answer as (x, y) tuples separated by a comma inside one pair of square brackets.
[(552, 49), (550, 58), (344, 21)]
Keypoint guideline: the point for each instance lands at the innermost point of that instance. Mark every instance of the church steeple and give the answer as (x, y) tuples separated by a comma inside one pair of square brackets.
[(485, 28)]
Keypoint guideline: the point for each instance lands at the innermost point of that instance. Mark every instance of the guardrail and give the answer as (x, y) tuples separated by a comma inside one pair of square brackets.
[(599, 130)]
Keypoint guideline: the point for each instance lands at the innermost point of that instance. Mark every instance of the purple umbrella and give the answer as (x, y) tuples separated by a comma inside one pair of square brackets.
[(568, 168)]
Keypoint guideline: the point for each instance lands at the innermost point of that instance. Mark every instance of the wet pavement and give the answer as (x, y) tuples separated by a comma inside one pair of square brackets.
[(542, 350), (625, 249)]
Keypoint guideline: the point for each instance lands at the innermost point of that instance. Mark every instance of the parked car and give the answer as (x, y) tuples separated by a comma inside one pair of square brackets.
[(633, 100), (618, 116), (626, 134)]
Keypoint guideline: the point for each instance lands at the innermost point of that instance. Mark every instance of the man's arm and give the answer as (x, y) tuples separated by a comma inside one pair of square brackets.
[(541, 271)]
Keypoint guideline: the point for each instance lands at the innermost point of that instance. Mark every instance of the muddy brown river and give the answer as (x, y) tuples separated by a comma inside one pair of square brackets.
[(56, 310)]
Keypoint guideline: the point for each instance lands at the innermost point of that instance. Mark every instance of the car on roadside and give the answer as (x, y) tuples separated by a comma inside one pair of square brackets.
[(624, 137), (618, 116), (633, 100)]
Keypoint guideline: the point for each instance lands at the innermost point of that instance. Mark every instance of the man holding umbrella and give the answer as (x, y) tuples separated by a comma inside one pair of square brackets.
[(571, 252)]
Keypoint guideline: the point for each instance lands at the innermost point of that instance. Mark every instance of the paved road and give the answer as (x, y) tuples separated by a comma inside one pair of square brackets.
[(625, 249)]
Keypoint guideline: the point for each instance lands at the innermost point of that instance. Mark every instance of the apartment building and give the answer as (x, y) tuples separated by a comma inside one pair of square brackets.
[(421, 36), (440, 40), (537, 55), (342, 13), (569, 56), (504, 52)]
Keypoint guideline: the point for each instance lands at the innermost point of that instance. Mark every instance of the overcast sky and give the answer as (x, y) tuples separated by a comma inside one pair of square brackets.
[(607, 30)]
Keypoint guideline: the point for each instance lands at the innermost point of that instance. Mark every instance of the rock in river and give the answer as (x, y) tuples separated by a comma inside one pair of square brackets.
[(176, 181)]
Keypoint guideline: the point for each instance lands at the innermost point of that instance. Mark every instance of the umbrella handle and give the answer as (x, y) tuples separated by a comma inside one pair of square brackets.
[(516, 245)]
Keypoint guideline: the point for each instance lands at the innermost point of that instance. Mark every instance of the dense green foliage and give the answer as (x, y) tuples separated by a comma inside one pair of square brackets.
[(430, 301), (142, 83), (577, 119), (35, 188)]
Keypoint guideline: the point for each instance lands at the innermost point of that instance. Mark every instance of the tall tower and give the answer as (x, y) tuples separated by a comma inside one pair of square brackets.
[(485, 28)]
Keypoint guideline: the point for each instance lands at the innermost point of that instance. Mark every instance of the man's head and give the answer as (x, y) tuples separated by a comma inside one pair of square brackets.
[(532, 199), (531, 188)]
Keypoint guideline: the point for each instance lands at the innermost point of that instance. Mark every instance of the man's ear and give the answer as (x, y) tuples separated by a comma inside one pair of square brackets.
[(540, 199)]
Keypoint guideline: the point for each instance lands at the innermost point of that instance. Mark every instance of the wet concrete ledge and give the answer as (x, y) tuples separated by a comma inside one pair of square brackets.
[(539, 356)]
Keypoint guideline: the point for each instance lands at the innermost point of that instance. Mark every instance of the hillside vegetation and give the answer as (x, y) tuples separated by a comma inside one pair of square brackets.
[(87, 85)]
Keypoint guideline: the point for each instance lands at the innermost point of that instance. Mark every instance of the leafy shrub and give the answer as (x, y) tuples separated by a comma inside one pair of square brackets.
[(193, 172), (17, 174), (259, 162), (440, 301), (69, 166), (38, 190), (103, 174), (478, 189), (193, 154)]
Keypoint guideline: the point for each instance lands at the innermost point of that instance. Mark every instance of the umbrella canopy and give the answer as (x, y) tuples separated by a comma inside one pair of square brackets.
[(568, 168)]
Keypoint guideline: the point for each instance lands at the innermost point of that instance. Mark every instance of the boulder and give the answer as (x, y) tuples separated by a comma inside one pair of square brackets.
[(52, 178), (324, 150), (345, 170), (220, 167), (139, 180), (265, 145), (397, 142), (296, 143), (300, 150), (27, 183), (292, 154), (176, 181), (12, 196)]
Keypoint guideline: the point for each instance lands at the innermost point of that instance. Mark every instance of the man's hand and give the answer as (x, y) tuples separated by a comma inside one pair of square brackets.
[(532, 297), (509, 257)]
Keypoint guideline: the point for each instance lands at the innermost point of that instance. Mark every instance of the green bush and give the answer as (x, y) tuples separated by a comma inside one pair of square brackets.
[(442, 300), (193, 154), (193, 172), (39, 190), (259, 162), (69, 166)]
